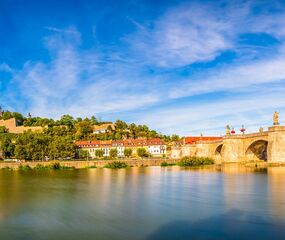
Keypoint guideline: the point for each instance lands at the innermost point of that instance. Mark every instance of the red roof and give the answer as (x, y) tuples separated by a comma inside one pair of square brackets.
[(192, 140), (125, 143)]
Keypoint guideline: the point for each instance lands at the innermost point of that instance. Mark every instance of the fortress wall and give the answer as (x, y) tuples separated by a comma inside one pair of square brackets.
[(12, 127)]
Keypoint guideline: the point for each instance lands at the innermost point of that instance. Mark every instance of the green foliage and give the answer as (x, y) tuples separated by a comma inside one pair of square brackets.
[(142, 152), (7, 168), (82, 154), (93, 166), (166, 164), (25, 168), (116, 165), (7, 147), (3, 129), (99, 153), (195, 161), (42, 167), (58, 137), (113, 153), (8, 115), (128, 152)]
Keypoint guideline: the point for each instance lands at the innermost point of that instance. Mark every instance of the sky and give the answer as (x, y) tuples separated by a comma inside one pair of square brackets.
[(183, 67)]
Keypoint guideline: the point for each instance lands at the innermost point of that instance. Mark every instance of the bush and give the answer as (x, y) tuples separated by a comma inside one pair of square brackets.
[(116, 165), (41, 167), (25, 168), (7, 168), (55, 165), (142, 152), (165, 164), (195, 161)]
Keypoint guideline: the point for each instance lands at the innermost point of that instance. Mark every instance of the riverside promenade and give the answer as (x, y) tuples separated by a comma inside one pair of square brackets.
[(91, 163)]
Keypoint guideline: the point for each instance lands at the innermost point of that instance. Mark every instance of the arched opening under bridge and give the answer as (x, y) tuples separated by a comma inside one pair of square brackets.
[(257, 150)]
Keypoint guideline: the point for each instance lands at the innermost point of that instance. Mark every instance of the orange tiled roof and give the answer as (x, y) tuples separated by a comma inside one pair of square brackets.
[(125, 143), (192, 140)]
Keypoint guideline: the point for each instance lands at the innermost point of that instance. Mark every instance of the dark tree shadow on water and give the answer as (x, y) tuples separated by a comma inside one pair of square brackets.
[(232, 225)]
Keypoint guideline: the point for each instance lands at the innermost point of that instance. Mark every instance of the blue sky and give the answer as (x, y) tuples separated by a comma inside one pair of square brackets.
[(181, 67)]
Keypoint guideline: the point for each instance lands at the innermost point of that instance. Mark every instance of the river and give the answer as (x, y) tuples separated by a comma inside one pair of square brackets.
[(143, 203)]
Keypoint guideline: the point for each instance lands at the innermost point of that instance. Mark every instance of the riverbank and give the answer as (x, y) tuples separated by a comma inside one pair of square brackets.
[(90, 164), (129, 162)]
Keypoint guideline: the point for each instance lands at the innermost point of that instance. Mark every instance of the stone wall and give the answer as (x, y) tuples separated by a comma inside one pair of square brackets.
[(12, 127), (85, 164)]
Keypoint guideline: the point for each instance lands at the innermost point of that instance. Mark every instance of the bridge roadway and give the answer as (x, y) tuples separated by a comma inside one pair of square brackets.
[(268, 146)]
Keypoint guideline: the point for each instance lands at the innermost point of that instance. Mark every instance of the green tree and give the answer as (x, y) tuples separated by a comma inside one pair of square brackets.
[(7, 147), (128, 152), (142, 152), (3, 129), (67, 120), (99, 153), (83, 129), (113, 153), (82, 154)]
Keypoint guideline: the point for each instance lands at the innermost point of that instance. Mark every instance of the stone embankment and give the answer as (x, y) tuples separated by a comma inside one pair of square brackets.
[(93, 163)]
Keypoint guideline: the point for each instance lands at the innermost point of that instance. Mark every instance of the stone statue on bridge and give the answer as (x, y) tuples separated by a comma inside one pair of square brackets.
[(228, 131), (276, 118)]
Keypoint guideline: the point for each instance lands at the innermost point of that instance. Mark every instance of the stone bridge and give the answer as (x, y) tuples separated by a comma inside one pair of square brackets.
[(268, 146)]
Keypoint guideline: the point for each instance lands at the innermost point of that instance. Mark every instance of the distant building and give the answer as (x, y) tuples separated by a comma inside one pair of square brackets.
[(97, 129), (156, 147), (12, 126)]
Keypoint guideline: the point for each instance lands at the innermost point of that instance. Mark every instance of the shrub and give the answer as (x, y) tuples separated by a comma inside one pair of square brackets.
[(195, 161), (142, 152), (116, 165), (55, 165), (25, 167), (165, 164), (7, 168), (93, 166), (41, 167)]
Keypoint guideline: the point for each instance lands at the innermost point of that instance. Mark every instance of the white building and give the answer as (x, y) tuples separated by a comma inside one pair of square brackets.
[(156, 147)]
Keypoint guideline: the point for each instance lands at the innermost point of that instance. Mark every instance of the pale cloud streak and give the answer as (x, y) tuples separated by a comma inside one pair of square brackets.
[(82, 82)]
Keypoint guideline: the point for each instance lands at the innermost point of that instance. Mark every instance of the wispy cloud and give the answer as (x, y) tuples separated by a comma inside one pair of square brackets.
[(183, 36), (156, 74)]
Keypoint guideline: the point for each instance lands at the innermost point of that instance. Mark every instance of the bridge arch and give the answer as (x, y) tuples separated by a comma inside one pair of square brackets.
[(218, 150), (218, 153), (257, 150)]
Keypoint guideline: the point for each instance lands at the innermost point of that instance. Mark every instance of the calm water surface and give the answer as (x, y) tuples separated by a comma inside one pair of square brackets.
[(143, 203)]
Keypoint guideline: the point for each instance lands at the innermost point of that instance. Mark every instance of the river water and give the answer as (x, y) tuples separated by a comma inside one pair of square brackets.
[(143, 203)]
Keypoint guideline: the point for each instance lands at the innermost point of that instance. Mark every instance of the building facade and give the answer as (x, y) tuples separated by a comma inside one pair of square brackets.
[(156, 147)]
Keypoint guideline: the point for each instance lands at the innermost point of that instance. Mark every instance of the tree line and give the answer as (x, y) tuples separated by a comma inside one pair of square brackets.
[(57, 141)]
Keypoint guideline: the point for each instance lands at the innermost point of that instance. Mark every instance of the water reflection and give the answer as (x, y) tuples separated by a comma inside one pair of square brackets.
[(143, 203)]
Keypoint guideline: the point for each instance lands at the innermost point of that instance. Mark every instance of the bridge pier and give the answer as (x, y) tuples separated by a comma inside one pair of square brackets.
[(232, 150), (276, 144)]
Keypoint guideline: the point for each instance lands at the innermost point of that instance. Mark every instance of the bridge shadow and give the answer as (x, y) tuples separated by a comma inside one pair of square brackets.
[(234, 224)]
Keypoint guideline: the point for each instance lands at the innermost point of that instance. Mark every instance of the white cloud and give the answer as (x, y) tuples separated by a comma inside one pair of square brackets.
[(253, 110), (183, 36), (114, 81), (234, 78), (4, 67)]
